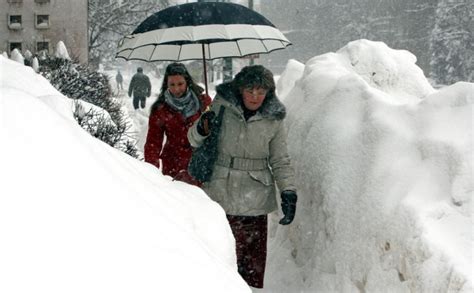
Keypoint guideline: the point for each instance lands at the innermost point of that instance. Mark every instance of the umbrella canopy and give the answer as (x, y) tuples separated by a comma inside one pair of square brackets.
[(201, 30)]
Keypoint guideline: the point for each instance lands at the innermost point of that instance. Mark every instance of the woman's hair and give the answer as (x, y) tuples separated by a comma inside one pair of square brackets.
[(253, 76), (175, 69)]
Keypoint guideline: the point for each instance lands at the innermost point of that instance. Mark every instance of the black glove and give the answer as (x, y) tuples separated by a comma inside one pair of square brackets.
[(204, 124), (288, 206)]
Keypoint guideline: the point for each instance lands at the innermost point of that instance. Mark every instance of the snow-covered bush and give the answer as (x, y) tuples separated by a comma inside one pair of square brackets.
[(28, 58), (79, 82), (16, 56), (61, 51), (35, 64)]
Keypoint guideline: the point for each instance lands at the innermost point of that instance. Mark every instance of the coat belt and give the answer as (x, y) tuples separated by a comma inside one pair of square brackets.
[(242, 163)]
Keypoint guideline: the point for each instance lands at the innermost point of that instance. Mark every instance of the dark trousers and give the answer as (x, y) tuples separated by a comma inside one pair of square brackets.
[(137, 101), (250, 235)]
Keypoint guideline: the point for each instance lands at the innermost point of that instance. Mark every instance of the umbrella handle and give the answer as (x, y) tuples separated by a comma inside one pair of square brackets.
[(205, 69)]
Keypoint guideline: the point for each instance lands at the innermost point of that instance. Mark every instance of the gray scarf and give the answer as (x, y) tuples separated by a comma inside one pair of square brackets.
[(188, 105)]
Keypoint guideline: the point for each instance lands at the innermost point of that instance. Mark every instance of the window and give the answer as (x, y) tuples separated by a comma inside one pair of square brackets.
[(14, 22), (42, 46), (15, 1), (42, 21), (42, 1), (15, 45)]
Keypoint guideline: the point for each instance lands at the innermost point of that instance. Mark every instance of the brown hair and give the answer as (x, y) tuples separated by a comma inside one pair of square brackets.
[(254, 76), (176, 69)]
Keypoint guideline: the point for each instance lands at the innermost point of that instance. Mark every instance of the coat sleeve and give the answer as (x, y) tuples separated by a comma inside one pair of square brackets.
[(148, 86), (131, 86), (195, 139), (154, 139), (206, 101), (280, 161)]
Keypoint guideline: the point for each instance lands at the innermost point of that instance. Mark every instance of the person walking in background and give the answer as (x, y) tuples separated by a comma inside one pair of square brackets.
[(180, 103), (119, 80), (140, 88), (252, 156)]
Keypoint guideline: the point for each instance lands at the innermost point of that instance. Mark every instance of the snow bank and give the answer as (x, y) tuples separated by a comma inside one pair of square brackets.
[(79, 216), (384, 168), (293, 72)]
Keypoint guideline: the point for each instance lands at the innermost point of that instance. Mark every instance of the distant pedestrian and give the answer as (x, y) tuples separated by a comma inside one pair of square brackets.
[(140, 88), (119, 80)]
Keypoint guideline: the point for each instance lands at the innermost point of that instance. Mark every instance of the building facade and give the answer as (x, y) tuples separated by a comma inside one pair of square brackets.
[(37, 25)]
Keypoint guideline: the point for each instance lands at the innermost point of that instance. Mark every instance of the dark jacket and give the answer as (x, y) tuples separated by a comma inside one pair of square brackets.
[(119, 77), (140, 86)]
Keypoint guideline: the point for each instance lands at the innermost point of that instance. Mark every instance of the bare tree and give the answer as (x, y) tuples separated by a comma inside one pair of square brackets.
[(111, 20), (319, 26), (452, 42)]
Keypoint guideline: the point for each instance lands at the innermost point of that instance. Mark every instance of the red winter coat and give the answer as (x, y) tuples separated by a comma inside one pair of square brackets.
[(176, 152)]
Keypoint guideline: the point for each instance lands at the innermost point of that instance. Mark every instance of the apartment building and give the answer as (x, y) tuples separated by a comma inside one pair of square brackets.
[(37, 25)]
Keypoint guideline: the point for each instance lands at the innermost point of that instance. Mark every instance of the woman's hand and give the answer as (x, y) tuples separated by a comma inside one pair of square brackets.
[(204, 124), (288, 206)]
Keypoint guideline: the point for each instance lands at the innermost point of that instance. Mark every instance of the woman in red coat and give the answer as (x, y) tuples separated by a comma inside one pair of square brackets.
[(180, 103)]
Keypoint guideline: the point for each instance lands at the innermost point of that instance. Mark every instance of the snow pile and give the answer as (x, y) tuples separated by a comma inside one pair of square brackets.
[(79, 216), (384, 167), (287, 80), (61, 51), (16, 56)]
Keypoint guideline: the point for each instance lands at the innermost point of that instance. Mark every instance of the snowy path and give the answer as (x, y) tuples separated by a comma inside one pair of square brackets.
[(138, 118)]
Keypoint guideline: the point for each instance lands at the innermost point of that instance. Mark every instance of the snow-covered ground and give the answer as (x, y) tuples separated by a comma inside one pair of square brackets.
[(384, 165)]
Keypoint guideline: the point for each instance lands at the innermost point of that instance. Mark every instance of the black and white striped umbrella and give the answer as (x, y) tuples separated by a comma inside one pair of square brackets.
[(201, 30), (181, 32)]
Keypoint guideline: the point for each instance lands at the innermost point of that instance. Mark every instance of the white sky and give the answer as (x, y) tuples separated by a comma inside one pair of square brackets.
[(384, 165)]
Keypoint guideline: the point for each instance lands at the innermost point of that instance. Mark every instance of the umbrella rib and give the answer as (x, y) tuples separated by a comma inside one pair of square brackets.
[(179, 53), (153, 52), (238, 47), (264, 45)]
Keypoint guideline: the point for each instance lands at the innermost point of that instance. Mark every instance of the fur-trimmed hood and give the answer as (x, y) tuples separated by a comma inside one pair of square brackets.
[(271, 108)]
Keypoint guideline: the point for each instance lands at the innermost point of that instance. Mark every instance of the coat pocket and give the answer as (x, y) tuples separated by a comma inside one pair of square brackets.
[(264, 177), (259, 191)]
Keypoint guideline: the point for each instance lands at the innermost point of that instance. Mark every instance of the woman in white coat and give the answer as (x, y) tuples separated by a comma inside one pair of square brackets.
[(252, 157)]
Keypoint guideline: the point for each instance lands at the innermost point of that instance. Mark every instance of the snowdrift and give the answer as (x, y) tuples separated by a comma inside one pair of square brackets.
[(79, 216), (384, 164)]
